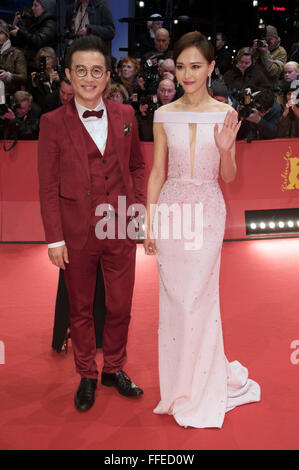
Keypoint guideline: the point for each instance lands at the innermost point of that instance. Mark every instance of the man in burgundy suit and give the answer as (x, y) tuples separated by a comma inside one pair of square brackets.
[(89, 155)]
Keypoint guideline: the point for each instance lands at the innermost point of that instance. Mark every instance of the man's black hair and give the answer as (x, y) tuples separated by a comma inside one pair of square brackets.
[(265, 99), (87, 43)]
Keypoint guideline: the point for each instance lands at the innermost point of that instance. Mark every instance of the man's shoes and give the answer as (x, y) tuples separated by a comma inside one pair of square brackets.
[(122, 383), (84, 398)]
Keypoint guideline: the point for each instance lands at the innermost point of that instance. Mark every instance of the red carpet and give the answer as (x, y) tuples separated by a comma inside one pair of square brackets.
[(259, 298)]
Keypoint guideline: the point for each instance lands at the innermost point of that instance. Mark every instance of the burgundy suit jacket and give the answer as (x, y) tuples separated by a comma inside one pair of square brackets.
[(64, 179)]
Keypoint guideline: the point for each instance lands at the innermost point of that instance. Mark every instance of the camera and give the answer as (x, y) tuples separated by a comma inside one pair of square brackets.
[(69, 35), (151, 101), (263, 42), (3, 109), (42, 75), (244, 102), (148, 64), (10, 27)]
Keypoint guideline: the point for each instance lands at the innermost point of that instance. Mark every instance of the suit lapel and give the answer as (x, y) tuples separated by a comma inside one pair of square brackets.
[(74, 128)]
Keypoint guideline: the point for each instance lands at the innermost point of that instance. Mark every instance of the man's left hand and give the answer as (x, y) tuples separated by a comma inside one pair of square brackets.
[(3, 75), (82, 32), (9, 115), (254, 117), (14, 32)]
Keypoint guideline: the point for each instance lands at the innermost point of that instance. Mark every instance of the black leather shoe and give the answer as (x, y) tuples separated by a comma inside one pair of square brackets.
[(84, 398), (122, 383)]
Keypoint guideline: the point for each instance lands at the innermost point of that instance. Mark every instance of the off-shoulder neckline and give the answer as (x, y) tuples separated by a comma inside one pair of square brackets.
[(191, 112)]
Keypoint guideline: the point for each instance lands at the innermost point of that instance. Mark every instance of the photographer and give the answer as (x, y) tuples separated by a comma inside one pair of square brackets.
[(146, 38), (21, 122), (289, 121), (13, 67), (59, 97), (223, 57), (245, 73), (147, 106), (117, 92), (261, 117), (270, 54), (47, 79), (89, 17), (129, 68), (40, 33), (161, 50)]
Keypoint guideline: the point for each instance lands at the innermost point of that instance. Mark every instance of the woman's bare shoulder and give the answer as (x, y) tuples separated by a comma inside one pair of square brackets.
[(173, 106), (220, 107)]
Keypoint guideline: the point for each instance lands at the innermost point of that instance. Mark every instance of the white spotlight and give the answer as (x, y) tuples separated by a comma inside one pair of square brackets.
[(272, 225), (253, 226), (280, 224), (255, 3), (176, 21), (290, 223), (141, 4), (262, 225)]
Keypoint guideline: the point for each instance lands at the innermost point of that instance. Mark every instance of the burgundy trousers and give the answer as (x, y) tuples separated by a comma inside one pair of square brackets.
[(117, 258)]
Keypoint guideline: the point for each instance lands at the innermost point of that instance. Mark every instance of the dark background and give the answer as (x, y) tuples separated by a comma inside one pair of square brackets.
[(238, 19)]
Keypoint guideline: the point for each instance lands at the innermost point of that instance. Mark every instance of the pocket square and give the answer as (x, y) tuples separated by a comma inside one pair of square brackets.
[(127, 128)]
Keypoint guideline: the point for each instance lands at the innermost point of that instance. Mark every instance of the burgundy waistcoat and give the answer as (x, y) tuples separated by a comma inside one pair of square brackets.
[(105, 175)]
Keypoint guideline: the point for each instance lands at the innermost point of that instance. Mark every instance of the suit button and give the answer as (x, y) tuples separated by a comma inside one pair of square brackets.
[(107, 194), (104, 161), (106, 178)]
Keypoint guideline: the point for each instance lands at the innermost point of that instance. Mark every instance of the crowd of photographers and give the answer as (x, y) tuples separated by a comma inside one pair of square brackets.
[(261, 81)]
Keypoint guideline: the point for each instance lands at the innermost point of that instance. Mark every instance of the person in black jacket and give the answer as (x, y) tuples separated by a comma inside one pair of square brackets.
[(246, 73), (264, 119), (42, 32), (21, 122), (223, 57), (90, 17)]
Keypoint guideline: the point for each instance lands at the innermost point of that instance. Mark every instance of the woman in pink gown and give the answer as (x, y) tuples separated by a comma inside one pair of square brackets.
[(197, 383)]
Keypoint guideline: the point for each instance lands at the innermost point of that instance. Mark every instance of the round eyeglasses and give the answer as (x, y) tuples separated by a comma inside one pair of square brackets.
[(95, 71)]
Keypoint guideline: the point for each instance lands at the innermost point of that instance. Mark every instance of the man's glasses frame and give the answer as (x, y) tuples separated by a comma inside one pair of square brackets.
[(95, 71)]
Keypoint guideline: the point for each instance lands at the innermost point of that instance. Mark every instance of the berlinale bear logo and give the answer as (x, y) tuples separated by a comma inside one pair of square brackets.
[(291, 172)]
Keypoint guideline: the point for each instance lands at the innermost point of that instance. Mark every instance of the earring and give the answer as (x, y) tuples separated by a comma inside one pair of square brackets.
[(210, 81)]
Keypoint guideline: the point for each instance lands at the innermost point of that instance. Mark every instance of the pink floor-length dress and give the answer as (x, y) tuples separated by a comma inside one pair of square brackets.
[(197, 383)]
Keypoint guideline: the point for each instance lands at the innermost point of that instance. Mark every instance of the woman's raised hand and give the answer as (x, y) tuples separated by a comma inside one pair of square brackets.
[(225, 139)]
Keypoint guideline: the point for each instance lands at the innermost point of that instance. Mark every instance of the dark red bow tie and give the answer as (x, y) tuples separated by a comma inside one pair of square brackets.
[(97, 114)]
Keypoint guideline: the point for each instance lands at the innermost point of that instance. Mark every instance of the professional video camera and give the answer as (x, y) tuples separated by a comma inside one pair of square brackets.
[(244, 102)]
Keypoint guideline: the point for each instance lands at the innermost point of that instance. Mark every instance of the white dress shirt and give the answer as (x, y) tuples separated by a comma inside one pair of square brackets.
[(98, 131)]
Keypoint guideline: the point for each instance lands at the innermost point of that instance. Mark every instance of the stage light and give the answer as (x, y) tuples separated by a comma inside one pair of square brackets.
[(255, 3), (261, 21), (176, 21), (273, 222), (141, 4)]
